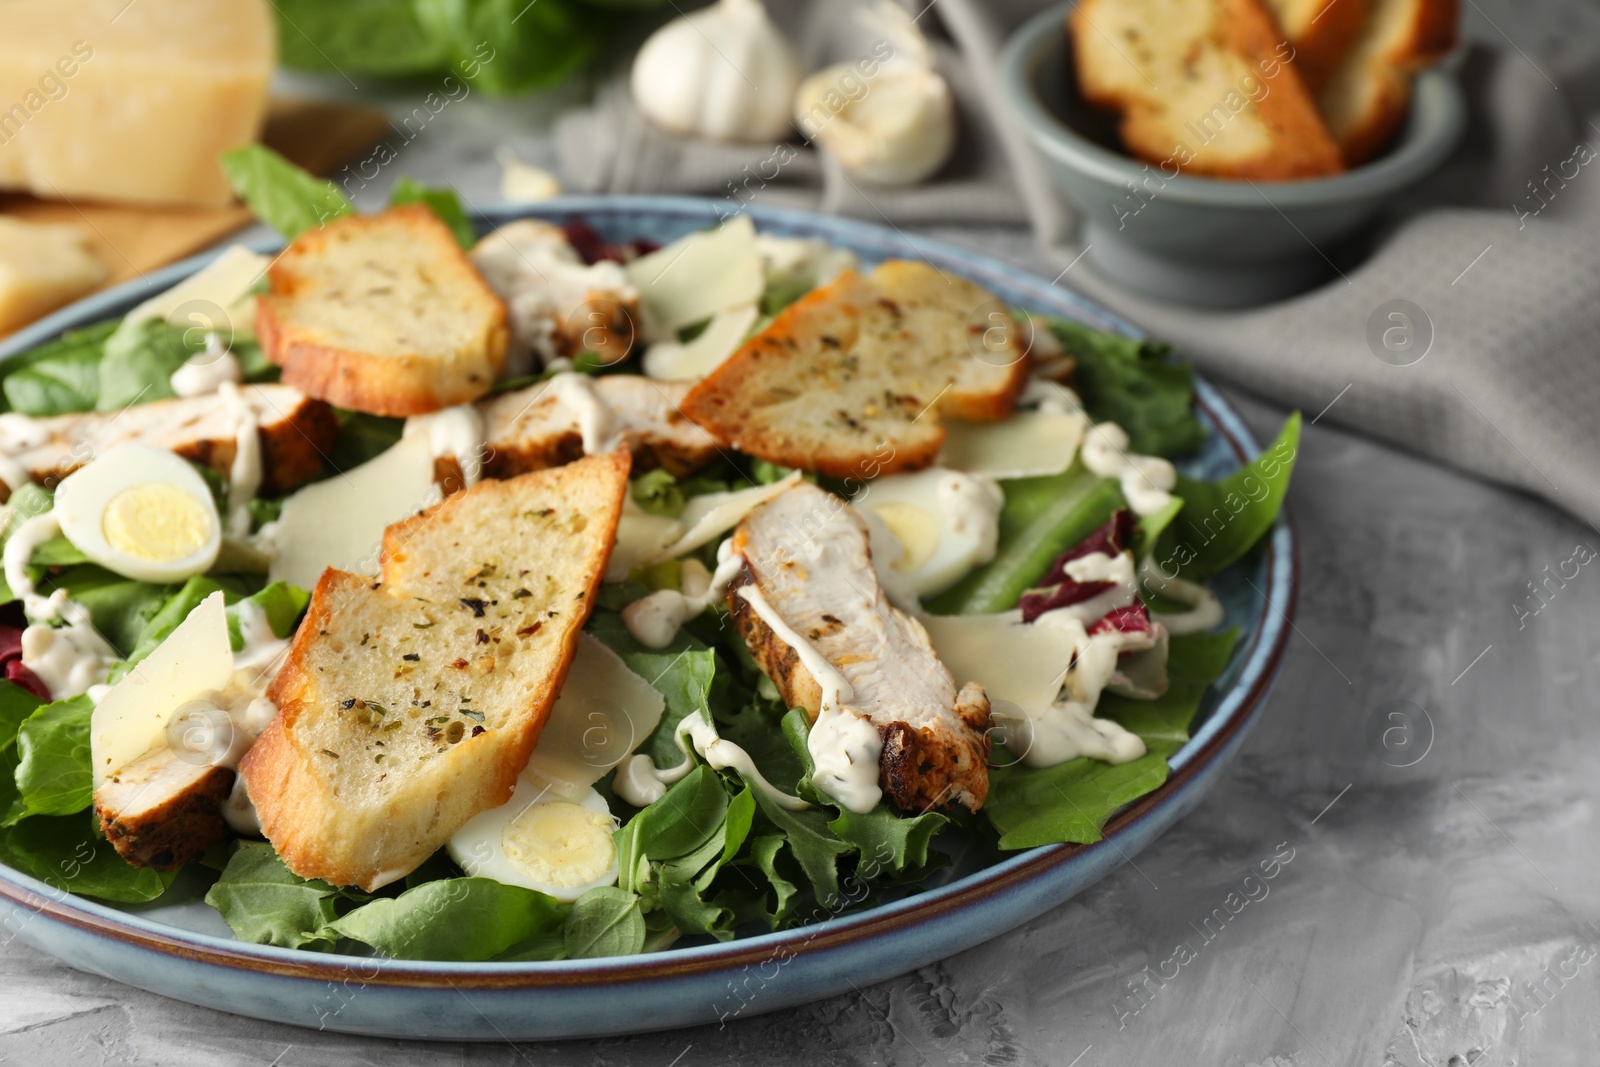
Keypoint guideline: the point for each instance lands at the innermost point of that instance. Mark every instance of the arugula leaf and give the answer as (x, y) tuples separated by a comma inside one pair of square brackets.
[(118, 607), (1071, 801), (362, 437), (160, 625), (681, 821), (280, 194), (1133, 384), (1221, 521), (442, 202), (283, 604), (57, 552), (451, 919), (1041, 518), (813, 845), (605, 921), (764, 855), (265, 903), (53, 775), (68, 853)]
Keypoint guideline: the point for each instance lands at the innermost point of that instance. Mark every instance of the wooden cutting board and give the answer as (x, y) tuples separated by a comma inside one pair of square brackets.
[(134, 239)]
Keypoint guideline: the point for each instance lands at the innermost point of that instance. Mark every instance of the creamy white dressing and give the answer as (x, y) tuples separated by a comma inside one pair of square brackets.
[(802, 259), (640, 782), (68, 659), (239, 811), (1042, 394), (1147, 481), (20, 546), (654, 619), (205, 372), (972, 504), (844, 745), (263, 649), (1068, 728), (455, 433), (244, 476), (575, 392), (1205, 610)]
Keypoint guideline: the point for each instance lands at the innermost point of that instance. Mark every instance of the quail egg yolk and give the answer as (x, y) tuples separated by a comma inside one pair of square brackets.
[(914, 527), (156, 521), (561, 843)]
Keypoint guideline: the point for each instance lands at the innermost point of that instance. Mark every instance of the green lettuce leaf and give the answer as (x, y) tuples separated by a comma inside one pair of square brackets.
[(265, 903), (1221, 521), (282, 195), (442, 202), (605, 921), (1071, 801), (451, 919), (1135, 385), (53, 775), (67, 852)]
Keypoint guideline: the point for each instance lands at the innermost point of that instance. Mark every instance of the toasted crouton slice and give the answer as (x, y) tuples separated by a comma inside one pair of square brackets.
[(296, 432), (853, 378), (1203, 86), (383, 314), (1322, 32), (410, 704), (1367, 96)]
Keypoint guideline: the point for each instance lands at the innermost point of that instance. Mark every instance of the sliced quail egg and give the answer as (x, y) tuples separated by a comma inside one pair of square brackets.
[(559, 843), (141, 512), (946, 521)]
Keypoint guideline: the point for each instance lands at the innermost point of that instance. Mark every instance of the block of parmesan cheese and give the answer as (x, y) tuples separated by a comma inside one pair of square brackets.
[(42, 268), (107, 100)]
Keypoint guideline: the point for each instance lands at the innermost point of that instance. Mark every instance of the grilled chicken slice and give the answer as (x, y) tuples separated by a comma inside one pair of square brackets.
[(806, 551), (163, 810), (295, 431), (533, 428)]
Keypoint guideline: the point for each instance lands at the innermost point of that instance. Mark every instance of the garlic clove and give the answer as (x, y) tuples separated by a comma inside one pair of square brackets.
[(897, 130), (724, 73)]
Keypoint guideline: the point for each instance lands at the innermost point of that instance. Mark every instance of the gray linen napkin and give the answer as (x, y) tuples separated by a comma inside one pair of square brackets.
[(1509, 387)]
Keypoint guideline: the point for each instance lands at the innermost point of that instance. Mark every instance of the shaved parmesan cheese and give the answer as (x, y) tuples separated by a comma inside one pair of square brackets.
[(605, 711), (339, 522), (711, 515), (697, 276), (641, 537), (680, 360), (208, 295), (132, 717), (1012, 660), (1030, 444)]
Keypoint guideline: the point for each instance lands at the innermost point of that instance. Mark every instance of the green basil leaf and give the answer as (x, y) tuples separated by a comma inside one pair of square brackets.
[(382, 37), (265, 903), (282, 195), (1221, 521), (606, 921), (507, 46), (53, 773), (451, 919)]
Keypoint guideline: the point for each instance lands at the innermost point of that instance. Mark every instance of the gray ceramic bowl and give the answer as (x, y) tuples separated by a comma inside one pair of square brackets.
[(1204, 240)]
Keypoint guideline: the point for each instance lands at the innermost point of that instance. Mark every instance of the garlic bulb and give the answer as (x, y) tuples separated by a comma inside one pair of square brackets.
[(723, 72), (889, 120)]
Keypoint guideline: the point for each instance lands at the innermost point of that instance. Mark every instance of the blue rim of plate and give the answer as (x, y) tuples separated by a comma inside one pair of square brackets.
[(1262, 654)]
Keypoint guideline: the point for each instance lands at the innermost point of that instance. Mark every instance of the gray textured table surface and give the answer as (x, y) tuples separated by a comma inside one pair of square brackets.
[(1435, 913)]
